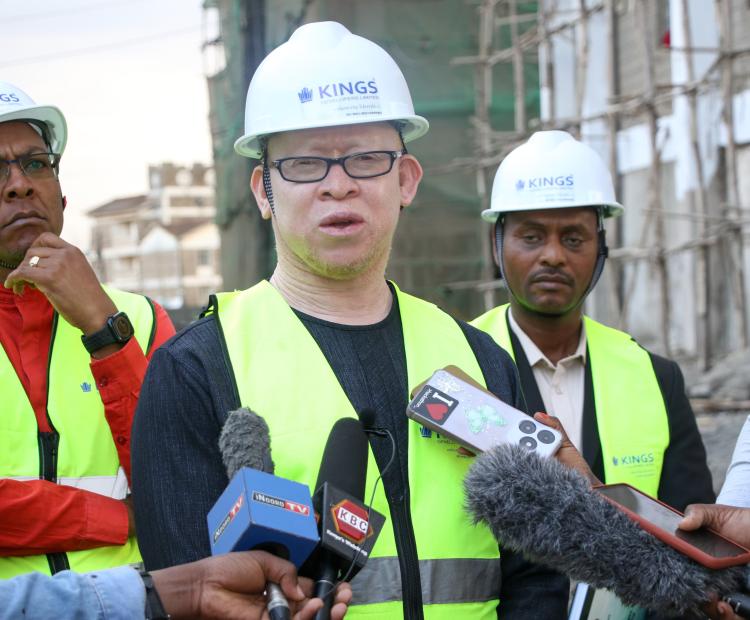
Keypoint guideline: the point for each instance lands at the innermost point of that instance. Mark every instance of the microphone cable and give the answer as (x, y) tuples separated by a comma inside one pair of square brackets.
[(367, 417)]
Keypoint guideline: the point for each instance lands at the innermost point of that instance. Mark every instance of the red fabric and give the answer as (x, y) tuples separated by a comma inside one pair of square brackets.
[(39, 516), (64, 519)]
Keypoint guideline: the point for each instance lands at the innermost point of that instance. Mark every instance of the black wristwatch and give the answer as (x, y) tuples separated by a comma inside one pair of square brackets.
[(117, 330), (154, 607)]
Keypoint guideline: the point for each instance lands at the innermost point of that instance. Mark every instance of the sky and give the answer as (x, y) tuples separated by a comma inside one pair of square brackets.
[(127, 75)]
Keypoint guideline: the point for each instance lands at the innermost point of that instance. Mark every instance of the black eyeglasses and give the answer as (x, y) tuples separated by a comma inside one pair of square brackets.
[(35, 166), (357, 165)]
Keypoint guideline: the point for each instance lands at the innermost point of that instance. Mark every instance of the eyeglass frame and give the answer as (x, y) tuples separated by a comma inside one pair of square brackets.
[(330, 161), (54, 165)]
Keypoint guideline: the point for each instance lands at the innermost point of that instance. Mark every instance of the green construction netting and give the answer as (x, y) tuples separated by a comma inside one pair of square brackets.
[(424, 37)]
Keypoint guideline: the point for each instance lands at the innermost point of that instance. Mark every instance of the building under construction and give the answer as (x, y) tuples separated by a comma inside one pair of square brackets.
[(661, 88)]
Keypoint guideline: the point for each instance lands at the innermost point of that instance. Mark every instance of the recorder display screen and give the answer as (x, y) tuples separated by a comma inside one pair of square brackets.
[(666, 519)]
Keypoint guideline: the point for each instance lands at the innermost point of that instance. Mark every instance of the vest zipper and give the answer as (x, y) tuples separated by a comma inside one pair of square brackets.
[(48, 455), (406, 548), (48, 444)]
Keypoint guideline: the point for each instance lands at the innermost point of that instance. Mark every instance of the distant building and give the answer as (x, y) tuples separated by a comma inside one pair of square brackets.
[(163, 244)]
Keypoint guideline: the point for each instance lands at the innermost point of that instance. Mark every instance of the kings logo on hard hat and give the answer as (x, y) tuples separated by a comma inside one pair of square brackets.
[(552, 170), (334, 90)]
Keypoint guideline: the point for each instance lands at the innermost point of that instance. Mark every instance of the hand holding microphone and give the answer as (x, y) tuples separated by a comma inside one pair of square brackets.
[(261, 511), (231, 586), (257, 509), (549, 513), (348, 528), (730, 521)]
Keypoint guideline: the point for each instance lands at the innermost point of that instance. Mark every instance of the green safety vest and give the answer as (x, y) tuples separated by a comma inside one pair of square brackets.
[(630, 412), (86, 453), (281, 372)]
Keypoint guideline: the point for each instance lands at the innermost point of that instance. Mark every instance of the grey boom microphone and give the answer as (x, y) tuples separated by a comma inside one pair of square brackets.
[(245, 442), (550, 514)]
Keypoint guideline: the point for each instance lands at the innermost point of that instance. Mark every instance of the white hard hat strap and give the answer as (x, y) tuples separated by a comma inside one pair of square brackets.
[(40, 128), (267, 180)]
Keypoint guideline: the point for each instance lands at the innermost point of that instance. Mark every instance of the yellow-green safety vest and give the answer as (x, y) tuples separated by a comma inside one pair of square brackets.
[(630, 412), (281, 373), (86, 456)]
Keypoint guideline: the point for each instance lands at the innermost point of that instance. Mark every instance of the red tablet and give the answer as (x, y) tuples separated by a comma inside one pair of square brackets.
[(704, 545)]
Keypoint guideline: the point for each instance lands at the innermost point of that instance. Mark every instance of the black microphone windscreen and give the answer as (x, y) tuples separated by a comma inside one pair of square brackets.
[(548, 512), (344, 463), (245, 442)]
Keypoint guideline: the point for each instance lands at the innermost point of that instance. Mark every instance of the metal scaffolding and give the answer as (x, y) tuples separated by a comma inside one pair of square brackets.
[(717, 217)]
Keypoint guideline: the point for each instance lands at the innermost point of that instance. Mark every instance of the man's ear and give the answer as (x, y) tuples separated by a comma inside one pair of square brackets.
[(409, 175), (256, 186)]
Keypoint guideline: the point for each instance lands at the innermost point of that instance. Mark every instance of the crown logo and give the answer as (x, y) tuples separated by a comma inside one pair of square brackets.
[(305, 95), (520, 184)]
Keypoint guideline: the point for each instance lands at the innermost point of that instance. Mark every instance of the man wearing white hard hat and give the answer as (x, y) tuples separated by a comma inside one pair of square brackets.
[(623, 407), (329, 115), (71, 364)]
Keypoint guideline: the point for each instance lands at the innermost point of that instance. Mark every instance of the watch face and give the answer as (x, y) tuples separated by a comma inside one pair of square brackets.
[(122, 327)]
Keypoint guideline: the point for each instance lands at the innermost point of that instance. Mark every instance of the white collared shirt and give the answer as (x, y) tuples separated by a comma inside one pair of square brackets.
[(561, 385)]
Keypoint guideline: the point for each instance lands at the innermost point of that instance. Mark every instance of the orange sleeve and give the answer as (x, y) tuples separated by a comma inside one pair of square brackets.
[(38, 516), (118, 378)]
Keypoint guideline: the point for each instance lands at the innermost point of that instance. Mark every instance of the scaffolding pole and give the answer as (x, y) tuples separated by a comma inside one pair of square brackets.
[(654, 182), (482, 102), (735, 241), (712, 228)]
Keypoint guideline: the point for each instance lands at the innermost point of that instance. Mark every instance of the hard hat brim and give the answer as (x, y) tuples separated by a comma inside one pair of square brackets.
[(51, 116), (414, 127), (609, 209)]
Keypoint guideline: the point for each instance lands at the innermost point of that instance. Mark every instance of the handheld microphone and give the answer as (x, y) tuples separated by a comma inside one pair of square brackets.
[(348, 529), (258, 510), (549, 513)]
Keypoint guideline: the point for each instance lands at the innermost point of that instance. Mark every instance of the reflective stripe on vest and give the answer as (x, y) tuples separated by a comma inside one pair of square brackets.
[(115, 486), (630, 412), (282, 374), (478, 581), (86, 454)]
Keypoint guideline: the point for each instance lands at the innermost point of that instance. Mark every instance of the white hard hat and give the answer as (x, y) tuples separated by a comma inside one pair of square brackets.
[(16, 105), (552, 170), (325, 76)]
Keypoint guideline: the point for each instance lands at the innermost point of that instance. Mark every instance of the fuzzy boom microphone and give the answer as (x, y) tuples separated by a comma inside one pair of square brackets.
[(550, 514), (245, 442), (258, 510)]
